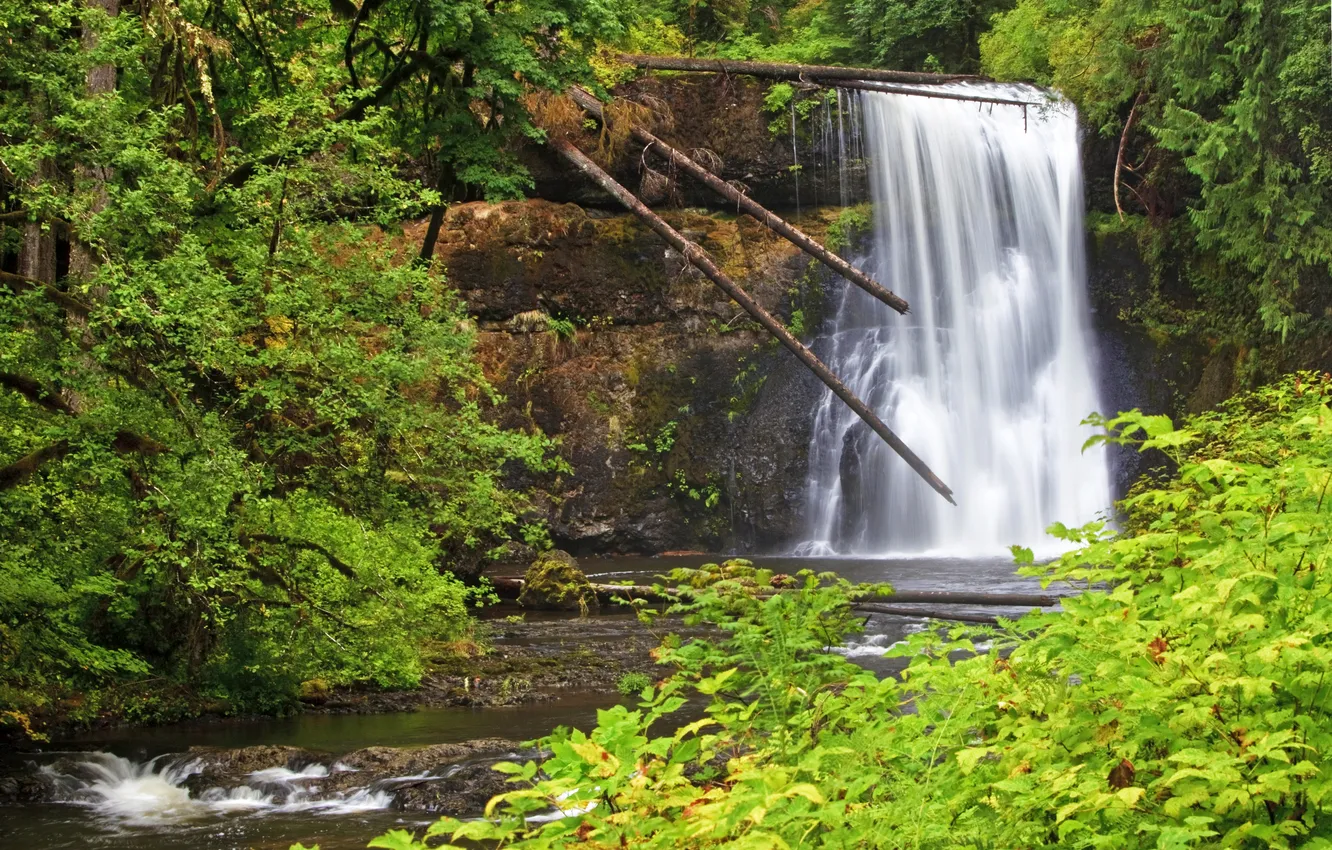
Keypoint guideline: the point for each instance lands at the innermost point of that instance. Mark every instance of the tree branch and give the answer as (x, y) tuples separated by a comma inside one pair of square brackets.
[(125, 442), (333, 560), (1123, 143), (20, 283), (36, 393), (16, 472)]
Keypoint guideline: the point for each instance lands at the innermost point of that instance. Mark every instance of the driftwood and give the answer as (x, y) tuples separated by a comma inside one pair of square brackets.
[(774, 222), (511, 587), (943, 95), (786, 71), (699, 258)]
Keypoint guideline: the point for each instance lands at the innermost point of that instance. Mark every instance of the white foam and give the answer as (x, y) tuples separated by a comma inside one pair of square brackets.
[(153, 793)]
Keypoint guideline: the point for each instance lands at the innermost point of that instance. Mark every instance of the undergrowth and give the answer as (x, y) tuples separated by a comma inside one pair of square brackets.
[(1180, 699)]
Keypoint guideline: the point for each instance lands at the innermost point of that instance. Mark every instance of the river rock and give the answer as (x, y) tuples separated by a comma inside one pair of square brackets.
[(231, 768), (462, 791), (554, 582), (389, 762), (26, 788)]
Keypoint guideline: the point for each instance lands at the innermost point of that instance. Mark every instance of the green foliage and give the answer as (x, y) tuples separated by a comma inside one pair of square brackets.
[(1180, 699), (562, 328), (633, 684), (1228, 99), (245, 442), (850, 224)]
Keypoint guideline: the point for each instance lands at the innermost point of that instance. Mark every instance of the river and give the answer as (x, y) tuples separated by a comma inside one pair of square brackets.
[(128, 790)]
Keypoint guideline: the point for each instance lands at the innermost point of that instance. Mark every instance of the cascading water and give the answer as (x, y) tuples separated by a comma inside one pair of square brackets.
[(978, 224)]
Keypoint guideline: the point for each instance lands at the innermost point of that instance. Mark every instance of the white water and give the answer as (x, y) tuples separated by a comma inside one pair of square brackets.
[(978, 224), (154, 793)]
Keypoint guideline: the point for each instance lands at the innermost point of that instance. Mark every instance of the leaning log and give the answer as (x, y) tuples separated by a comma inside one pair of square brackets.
[(510, 588), (861, 85), (774, 222), (699, 258), (787, 71)]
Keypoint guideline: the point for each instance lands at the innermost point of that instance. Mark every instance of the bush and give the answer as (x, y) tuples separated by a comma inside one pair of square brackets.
[(1180, 700)]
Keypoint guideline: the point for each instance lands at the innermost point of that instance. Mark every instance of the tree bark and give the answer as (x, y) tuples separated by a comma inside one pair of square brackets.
[(917, 92), (699, 258), (786, 71), (774, 222)]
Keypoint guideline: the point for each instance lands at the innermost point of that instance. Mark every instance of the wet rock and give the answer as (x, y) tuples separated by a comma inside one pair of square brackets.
[(26, 787), (462, 791), (554, 582), (388, 762), (231, 768)]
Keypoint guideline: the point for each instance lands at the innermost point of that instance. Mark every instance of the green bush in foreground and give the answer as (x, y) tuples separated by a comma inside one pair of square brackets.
[(1181, 700)]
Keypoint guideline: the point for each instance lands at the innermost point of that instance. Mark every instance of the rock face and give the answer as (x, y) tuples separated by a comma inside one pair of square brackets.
[(684, 425)]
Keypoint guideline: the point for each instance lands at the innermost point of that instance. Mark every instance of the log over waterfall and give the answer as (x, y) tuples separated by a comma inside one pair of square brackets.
[(787, 71), (699, 258), (771, 220)]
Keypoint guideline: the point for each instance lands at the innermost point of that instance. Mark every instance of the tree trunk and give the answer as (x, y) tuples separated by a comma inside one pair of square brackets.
[(100, 80), (37, 253), (749, 205), (698, 258), (785, 71), (919, 92)]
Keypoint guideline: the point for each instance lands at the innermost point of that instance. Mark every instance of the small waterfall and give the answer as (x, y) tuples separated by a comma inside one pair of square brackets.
[(978, 224), (157, 792)]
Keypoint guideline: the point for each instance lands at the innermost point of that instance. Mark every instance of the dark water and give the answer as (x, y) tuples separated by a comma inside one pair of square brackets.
[(334, 828)]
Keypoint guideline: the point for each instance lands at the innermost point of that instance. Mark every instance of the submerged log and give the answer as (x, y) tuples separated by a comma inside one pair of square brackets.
[(861, 85), (774, 222), (787, 71), (699, 258), (510, 588)]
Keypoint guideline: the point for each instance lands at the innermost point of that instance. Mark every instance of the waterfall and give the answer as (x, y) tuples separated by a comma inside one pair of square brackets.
[(978, 224)]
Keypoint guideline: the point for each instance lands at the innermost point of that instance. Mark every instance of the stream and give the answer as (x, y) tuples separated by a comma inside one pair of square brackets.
[(139, 788)]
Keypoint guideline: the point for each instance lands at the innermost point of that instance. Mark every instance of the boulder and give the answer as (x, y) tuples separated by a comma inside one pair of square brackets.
[(554, 582)]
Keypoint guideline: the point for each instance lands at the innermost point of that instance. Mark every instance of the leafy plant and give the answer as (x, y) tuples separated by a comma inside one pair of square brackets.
[(1179, 699), (634, 683)]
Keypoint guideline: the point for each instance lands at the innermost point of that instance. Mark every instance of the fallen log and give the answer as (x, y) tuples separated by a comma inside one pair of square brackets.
[(511, 587), (774, 222), (966, 597), (787, 71), (928, 614), (699, 258), (861, 85)]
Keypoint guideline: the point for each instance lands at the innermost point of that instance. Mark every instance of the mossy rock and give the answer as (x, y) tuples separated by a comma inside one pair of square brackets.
[(554, 582)]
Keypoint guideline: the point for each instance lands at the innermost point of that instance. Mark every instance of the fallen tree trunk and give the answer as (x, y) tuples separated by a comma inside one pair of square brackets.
[(786, 71), (929, 614), (861, 85), (699, 258), (510, 588), (774, 222)]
